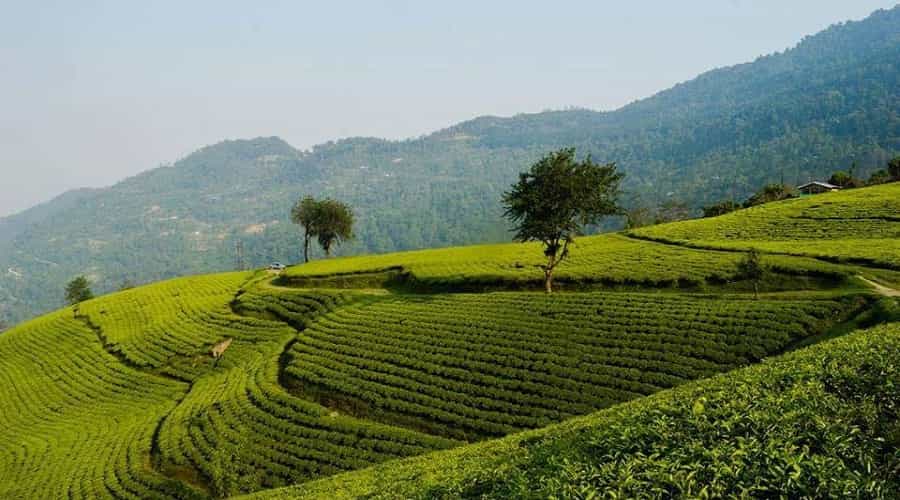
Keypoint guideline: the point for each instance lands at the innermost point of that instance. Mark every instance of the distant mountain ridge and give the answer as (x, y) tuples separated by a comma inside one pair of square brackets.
[(796, 115)]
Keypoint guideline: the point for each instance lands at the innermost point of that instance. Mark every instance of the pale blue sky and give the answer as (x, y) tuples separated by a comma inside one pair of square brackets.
[(92, 92)]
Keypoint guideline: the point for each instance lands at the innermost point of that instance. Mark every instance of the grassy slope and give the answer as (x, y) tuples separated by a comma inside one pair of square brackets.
[(819, 422), (608, 259), (69, 420), (470, 366), (858, 225), (73, 381)]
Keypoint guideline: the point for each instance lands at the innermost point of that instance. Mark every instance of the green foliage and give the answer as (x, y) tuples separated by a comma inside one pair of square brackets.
[(770, 193), (333, 225), (470, 366), (893, 168), (751, 268), (609, 260), (840, 178), (879, 177), (304, 212), (556, 198), (319, 382), (328, 220), (77, 422), (817, 423), (859, 225), (720, 208), (78, 290)]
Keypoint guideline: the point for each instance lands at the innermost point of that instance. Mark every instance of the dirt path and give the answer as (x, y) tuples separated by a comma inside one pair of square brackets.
[(883, 290)]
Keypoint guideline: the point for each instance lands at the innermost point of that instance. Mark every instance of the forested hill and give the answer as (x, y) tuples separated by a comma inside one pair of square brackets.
[(830, 101)]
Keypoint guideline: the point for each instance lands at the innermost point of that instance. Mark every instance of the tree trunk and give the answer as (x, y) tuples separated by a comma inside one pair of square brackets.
[(548, 274), (756, 290), (306, 246)]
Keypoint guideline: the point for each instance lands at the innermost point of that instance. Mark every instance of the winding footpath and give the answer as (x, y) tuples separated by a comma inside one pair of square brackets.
[(883, 290)]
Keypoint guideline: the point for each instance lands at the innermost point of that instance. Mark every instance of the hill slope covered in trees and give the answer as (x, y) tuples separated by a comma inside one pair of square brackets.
[(803, 113)]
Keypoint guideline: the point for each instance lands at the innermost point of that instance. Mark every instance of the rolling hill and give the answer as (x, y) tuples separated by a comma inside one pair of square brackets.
[(645, 385), (847, 226), (801, 113)]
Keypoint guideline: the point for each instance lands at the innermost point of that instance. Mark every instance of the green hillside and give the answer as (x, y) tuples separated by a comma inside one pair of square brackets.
[(858, 225), (798, 114), (817, 423), (343, 364)]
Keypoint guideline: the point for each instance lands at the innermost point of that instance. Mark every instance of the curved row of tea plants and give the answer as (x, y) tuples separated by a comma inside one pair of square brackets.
[(170, 326), (861, 225), (820, 422), (76, 422), (477, 365), (237, 429), (242, 431), (608, 259)]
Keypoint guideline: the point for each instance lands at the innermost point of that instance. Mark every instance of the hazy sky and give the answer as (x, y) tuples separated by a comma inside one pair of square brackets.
[(92, 92)]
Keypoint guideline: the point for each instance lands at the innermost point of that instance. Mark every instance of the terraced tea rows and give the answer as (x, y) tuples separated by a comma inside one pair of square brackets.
[(820, 422), (475, 365), (854, 225), (76, 422), (242, 424), (609, 259), (169, 327)]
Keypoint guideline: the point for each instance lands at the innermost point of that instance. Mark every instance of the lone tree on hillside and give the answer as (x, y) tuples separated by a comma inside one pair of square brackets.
[(330, 221), (334, 224), (751, 268), (556, 198), (305, 213), (78, 290)]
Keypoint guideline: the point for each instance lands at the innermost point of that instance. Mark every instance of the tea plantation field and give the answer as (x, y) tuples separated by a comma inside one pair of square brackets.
[(608, 259), (856, 225), (815, 423), (654, 372)]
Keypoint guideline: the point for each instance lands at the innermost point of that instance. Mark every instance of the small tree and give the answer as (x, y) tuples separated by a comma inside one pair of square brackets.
[(878, 177), (333, 224), (840, 178), (721, 208), (556, 198), (770, 193), (751, 268), (893, 168), (78, 290), (305, 213), (638, 216)]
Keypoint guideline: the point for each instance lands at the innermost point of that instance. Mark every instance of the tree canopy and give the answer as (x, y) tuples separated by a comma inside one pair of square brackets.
[(751, 268), (556, 198), (305, 213), (893, 168), (328, 220), (78, 290)]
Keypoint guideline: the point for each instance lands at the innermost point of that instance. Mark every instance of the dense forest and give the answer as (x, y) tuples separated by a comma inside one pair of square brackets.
[(794, 116)]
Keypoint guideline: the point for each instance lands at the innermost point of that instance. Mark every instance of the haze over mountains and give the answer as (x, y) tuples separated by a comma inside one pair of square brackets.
[(795, 115)]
